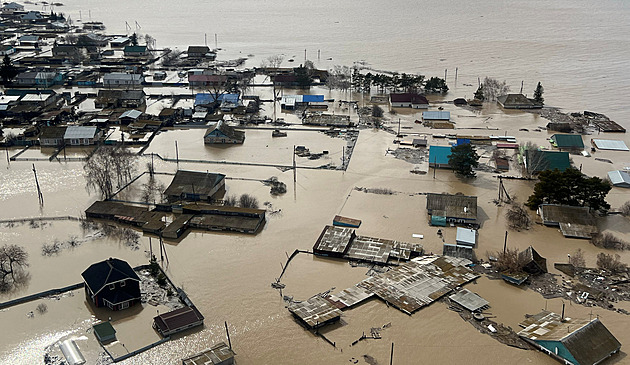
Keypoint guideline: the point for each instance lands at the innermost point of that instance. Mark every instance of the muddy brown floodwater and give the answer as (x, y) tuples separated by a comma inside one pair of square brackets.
[(228, 276)]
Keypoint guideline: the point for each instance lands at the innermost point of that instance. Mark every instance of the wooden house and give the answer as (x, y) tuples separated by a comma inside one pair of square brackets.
[(112, 283), (221, 133), (195, 186), (408, 100)]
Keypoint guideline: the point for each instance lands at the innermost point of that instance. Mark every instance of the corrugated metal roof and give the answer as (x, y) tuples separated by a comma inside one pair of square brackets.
[(439, 115), (134, 114), (568, 140), (610, 144), (76, 132), (466, 236), (619, 178), (122, 76), (35, 97)]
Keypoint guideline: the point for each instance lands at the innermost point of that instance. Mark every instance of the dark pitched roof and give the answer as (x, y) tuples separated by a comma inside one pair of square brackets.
[(532, 261), (198, 49), (408, 97), (514, 100), (591, 343), (177, 318), (52, 132), (187, 181), (100, 274)]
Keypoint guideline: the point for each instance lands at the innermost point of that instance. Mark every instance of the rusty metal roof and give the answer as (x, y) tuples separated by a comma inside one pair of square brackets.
[(315, 312)]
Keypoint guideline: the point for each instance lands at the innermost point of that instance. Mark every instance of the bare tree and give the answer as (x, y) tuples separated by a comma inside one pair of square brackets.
[(493, 88), (609, 241), (170, 57), (248, 201), (339, 78), (509, 261), (611, 263), (625, 209), (274, 61), (153, 191), (518, 218), (533, 159), (13, 261), (230, 201), (109, 167), (577, 258)]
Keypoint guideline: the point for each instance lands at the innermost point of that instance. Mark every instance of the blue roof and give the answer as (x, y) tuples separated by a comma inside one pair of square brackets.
[(440, 115), (208, 98), (312, 98), (439, 154)]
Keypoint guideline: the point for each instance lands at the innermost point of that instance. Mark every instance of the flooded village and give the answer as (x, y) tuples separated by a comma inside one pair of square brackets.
[(167, 206)]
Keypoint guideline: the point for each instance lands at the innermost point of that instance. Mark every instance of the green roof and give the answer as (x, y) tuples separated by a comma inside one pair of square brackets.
[(556, 160), (568, 140), (104, 331)]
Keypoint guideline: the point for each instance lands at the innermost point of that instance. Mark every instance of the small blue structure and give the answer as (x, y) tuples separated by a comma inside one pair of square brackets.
[(312, 98), (461, 141), (438, 156)]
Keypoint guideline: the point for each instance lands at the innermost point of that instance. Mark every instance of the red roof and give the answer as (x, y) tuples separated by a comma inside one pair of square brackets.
[(507, 145)]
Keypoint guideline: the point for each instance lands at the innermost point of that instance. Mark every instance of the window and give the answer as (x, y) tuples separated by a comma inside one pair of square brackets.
[(124, 305), (112, 286), (122, 283)]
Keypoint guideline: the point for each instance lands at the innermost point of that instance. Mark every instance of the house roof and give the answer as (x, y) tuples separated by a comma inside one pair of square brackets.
[(135, 49), (216, 355), (439, 154), (209, 98), (610, 144), (556, 213), (207, 78), (104, 330), (100, 274), (79, 132), (29, 38), (469, 300), (455, 206), (436, 115), (548, 160), (619, 178), (52, 132), (587, 341), (123, 76), (514, 100), (568, 140), (177, 318), (133, 114), (227, 130), (466, 236), (198, 49), (408, 98), (201, 183), (35, 97), (530, 255), (13, 5)]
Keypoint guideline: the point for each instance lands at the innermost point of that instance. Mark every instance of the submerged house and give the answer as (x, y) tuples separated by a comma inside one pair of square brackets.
[(51, 136), (517, 101), (408, 100), (112, 283), (567, 141), (136, 51), (221, 133), (219, 354), (456, 209), (438, 156), (194, 186), (532, 262), (574, 222), (571, 341)]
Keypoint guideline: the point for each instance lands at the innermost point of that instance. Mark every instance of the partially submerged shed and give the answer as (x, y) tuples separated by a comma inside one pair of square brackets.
[(194, 186), (219, 354), (466, 237), (567, 141), (315, 312), (469, 300), (609, 144), (619, 178), (533, 263), (104, 332)]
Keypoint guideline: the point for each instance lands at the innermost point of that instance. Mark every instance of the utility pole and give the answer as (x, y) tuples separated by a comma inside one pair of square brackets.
[(445, 71), (40, 196), (6, 149), (177, 155), (398, 135), (391, 356), (505, 243), (434, 165), (456, 73), (228, 335), (304, 54), (522, 86), (294, 172)]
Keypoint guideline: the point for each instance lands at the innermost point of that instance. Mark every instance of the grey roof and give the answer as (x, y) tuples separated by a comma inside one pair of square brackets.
[(514, 100), (227, 130), (469, 300), (201, 183), (334, 239), (619, 178), (13, 5), (466, 236), (133, 114), (315, 312), (587, 341), (77, 132), (29, 38), (122, 76), (610, 144), (454, 206), (436, 115)]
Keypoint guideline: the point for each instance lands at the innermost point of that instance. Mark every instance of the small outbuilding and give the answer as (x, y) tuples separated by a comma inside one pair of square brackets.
[(178, 320), (438, 156), (567, 141), (469, 300), (219, 354), (466, 237), (104, 332)]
